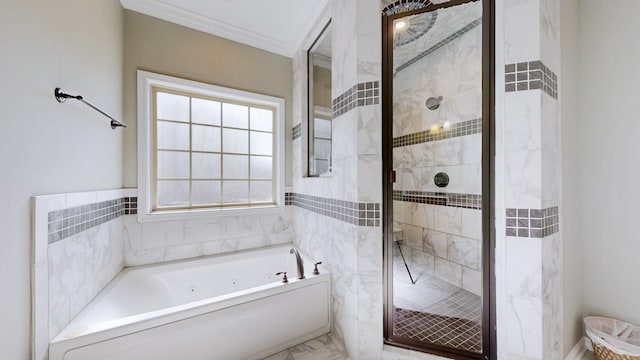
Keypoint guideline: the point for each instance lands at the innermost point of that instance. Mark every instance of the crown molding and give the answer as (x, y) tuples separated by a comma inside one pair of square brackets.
[(180, 16)]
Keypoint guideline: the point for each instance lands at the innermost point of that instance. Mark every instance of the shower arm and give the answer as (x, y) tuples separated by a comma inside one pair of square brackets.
[(62, 97)]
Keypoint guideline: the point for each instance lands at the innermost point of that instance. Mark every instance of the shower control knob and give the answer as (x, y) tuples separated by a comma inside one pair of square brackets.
[(284, 277), (315, 268)]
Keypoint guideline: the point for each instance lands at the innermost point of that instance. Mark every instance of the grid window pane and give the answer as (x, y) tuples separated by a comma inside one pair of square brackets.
[(205, 138), (261, 143), (172, 107), (322, 149), (235, 192), (210, 153), (235, 166), (322, 128), (206, 193), (261, 167), (235, 116), (172, 164), (261, 191), (173, 136), (173, 193), (235, 141), (205, 111), (205, 166), (261, 119)]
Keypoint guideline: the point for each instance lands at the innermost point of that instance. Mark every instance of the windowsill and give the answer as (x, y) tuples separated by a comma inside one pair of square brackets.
[(176, 215)]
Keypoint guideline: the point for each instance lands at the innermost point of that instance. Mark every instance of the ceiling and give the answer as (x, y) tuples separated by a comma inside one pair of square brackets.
[(278, 26)]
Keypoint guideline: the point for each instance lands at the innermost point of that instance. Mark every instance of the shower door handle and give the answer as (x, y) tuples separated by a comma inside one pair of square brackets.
[(392, 177)]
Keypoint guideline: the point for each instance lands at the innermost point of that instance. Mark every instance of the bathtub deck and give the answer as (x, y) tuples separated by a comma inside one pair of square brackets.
[(321, 348)]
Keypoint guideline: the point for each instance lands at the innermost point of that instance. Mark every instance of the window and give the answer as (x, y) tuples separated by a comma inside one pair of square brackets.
[(205, 149)]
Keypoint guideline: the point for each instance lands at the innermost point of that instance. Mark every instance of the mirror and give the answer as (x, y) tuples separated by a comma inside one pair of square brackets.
[(319, 84), (437, 288)]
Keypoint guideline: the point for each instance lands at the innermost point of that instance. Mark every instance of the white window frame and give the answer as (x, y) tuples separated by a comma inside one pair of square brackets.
[(147, 80)]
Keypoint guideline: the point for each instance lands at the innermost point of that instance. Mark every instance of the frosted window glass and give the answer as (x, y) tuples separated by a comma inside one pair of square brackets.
[(261, 119), (234, 192), (206, 192), (261, 167), (322, 128), (261, 143), (205, 111), (235, 115), (173, 193), (235, 141), (173, 107), (235, 166), (173, 164), (261, 191), (205, 138), (173, 136), (322, 149), (205, 166)]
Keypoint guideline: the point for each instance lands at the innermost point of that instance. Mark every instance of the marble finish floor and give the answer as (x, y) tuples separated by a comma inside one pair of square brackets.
[(320, 348)]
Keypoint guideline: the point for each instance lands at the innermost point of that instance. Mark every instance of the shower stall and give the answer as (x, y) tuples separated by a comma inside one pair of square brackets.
[(437, 185)]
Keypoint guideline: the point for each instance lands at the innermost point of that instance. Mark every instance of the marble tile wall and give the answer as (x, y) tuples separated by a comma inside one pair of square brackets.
[(153, 242), (528, 254), (351, 252), (75, 253)]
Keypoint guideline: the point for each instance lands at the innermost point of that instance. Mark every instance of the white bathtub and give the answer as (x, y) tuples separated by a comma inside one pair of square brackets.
[(220, 307)]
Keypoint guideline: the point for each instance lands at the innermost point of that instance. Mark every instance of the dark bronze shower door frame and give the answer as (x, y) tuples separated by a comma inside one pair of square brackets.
[(488, 189)]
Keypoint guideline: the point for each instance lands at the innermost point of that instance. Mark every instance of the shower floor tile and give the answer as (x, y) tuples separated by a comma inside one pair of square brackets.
[(436, 329), (435, 311)]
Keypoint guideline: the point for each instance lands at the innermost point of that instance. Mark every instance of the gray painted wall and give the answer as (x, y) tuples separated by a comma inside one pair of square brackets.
[(572, 252), (47, 147), (609, 78)]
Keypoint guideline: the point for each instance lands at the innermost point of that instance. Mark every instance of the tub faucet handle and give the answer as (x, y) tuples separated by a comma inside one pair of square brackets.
[(315, 268), (284, 276)]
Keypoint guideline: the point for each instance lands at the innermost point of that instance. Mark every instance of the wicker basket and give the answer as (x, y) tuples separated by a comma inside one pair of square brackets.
[(613, 339), (604, 353)]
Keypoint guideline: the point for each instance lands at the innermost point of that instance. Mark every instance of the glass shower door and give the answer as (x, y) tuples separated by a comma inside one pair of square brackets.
[(436, 248)]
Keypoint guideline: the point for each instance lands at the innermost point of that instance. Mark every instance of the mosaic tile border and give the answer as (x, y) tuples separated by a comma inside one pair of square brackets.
[(296, 131), (356, 213), (440, 44), (532, 223), (531, 75), (467, 201), (463, 128), (68, 222), (362, 94)]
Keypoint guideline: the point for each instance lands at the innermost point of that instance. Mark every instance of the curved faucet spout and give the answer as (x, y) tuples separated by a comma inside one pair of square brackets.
[(299, 262)]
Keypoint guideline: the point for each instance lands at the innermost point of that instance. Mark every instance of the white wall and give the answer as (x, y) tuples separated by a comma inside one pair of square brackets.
[(572, 234), (609, 147), (47, 147)]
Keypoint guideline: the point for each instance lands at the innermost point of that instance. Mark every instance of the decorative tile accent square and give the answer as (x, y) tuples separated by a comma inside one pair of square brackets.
[(297, 131), (532, 75), (463, 128), (362, 94), (440, 44), (468, 201), (532, 223), (68, 222), (361, 214)]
